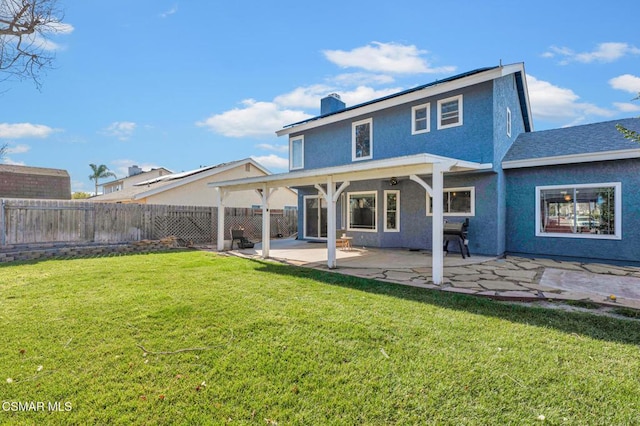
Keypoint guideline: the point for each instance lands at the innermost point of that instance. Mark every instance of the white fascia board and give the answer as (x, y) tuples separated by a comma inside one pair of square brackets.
[(376, 169), (192, 178), (573, 158), (429, 91)]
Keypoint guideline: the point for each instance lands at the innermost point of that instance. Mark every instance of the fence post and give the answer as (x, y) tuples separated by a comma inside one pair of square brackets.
[(3, 236)]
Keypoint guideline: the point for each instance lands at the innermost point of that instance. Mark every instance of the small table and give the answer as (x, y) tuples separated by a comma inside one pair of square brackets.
[(345, 243)]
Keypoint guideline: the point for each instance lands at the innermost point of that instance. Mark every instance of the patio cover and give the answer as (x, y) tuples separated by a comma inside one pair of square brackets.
[(332, 181)]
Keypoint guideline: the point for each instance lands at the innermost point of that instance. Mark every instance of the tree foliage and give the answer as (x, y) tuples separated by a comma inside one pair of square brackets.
[(100, 172), (3, 151), (25, 26), (80, 195), (629, 134)]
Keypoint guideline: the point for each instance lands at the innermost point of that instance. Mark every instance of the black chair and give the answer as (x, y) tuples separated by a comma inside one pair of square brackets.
[(243, 242), (457, 231)]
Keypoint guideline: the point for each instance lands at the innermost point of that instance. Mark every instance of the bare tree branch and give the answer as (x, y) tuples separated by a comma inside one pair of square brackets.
[(25, 27)]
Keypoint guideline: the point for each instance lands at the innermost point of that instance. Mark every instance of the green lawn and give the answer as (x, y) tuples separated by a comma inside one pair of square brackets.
[(252, 342)]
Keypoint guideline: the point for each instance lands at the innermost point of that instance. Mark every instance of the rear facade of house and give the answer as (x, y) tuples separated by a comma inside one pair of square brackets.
[(472, 117)]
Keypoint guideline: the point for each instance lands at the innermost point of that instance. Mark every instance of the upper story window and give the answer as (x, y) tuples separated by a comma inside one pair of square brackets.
[(296, 153), (579, 211), (362, 140), (508, 122), (420, 119), (450, 112), (456, 202)]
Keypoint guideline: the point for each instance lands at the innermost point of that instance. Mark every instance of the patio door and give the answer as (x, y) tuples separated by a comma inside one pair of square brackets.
[(315, 217)]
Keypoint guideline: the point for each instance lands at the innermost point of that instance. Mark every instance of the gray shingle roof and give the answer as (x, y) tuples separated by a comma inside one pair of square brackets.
[(588, 138)]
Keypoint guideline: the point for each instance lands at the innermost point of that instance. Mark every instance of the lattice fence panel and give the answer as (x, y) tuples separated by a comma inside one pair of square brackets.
[(188, 226)]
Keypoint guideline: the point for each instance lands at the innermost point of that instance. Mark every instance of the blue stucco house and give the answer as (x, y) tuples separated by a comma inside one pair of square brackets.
[(574, 193), (389, 172)]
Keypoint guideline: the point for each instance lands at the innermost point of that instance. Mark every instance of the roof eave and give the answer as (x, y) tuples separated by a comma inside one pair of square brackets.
[(410, 96), (374, 169), (587, 157)]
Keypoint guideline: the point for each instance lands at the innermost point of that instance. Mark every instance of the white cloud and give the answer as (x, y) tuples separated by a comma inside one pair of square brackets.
[(254, 119), (627, 82), (25, 130), (122, 130), (11, 162), (18, 149), (169, 12), (364, 94), (558, 104), (627, 106), (604, 52), (270, 147), (272, 161), (385, 57), (304, 97), (53, 28)]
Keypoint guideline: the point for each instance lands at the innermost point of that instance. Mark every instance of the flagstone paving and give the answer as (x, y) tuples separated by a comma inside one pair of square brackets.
[(510, 278)]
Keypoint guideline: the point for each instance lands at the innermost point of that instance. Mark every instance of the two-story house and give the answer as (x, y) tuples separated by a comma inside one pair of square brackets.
[(391, 170)]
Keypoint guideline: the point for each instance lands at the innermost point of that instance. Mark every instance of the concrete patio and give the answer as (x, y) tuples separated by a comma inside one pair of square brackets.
[(510, 278)]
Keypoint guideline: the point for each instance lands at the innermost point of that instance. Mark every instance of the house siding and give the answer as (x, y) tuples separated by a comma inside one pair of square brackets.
[(521, 194), (415, 225), (473, 141)]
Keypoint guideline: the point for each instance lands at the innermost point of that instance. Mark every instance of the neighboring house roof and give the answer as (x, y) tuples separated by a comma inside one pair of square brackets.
[(10, 168), (578, 144), (159, 184), (439, 86), (134, 176)]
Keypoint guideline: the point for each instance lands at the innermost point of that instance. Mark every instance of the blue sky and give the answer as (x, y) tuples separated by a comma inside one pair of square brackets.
[(183, 84)]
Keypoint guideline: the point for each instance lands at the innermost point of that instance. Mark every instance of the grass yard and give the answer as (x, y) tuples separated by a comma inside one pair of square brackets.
[(197, 338)]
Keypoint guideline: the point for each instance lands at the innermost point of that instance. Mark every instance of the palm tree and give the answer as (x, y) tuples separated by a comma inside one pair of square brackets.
[(100, 172)]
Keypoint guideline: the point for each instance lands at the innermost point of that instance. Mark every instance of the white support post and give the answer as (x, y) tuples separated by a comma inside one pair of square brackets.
[(266, 220), (331, 196), (220, 196), (437, 251), (331, 224)]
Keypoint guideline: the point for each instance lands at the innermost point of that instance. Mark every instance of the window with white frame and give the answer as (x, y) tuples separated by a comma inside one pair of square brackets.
[(392, 211), (456, 202), (362, 139), (296, 153), (361, 214), (450, 112), (579, 211), (420, 119), (508, 122)]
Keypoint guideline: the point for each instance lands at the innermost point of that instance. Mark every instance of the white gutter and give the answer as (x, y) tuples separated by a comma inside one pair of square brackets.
[(573, 158)]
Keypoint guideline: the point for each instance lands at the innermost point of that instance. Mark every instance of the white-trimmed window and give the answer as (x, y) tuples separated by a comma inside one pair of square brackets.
[(579, 211), (508, 122), (392, 211), (362, 139), (296, 153), (456, 202), (420, 119), (361, 214), (450, 112)]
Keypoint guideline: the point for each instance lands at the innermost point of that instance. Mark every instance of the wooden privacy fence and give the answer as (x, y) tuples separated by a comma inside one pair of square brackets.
[(44, 221)]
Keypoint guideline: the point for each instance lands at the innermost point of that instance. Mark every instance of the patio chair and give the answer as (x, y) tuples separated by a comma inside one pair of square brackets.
[(243, 242)]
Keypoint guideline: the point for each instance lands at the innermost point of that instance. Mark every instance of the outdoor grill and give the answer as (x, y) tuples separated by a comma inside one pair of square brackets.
[(457, 231)]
